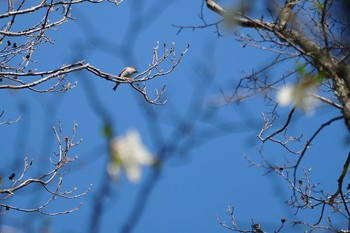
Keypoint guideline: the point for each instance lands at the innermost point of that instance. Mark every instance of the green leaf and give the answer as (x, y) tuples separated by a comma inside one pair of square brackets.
[(107, 130), (318, 6), (301, 69), (158, 165), (321, 76)]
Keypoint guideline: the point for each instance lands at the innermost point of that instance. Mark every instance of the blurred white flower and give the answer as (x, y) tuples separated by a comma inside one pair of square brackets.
[(128, 153), (300, 95)]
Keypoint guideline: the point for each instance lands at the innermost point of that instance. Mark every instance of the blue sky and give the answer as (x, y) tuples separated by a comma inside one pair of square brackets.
[(196, 184)]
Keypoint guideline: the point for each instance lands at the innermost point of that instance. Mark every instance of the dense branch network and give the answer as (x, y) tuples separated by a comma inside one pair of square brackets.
[(25, 26), (51, 182), (320, 47), (303, 31), (17, 47)]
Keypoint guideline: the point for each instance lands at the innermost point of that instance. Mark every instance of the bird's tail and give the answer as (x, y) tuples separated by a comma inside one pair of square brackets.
[(116, 85)]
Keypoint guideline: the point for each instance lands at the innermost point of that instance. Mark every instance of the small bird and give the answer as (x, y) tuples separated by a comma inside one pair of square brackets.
[(126, 73)]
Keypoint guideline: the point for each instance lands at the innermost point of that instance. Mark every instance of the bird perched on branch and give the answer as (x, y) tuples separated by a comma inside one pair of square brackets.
[(126, 73)]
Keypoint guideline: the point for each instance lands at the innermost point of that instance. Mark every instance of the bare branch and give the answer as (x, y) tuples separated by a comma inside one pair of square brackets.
[(9, 122), (47, 179), (340, 186), (61, 84)]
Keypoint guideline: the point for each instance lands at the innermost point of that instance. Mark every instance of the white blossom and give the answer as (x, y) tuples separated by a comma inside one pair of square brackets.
[(128, 154), (300, 95)]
